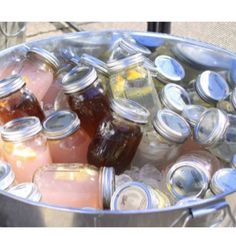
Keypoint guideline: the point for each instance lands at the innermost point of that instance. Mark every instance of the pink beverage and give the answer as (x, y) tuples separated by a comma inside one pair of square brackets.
[(75, 185), (25, 147), (38, 71), (68, 142)]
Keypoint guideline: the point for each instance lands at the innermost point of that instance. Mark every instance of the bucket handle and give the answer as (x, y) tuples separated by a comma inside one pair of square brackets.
[(22, 29), (199, 212)]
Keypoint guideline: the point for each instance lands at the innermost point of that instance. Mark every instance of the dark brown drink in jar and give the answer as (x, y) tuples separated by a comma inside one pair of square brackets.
[(16, 101), (86, 97), (118, 136)]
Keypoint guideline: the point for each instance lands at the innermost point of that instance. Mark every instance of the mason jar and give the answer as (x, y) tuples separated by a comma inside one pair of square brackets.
[(229, 103), (118, 135), (216, 131), (131, 80), (7, 176), (138, 196), (25, 147), (38, 71), (27, 191), (75, 185), (86, 97), (162, 145), (208, 89), (174, 97), (16, 101), (67, 141)]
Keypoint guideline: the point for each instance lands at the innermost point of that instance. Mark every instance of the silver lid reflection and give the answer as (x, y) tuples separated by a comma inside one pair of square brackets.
[(171, 126), (174, 97), (7, 176)]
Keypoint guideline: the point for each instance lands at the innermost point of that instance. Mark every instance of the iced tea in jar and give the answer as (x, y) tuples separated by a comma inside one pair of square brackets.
[(25, 147), (68, 142), (38, 71), (16, 101), (86, 97), (118, 135), (75, 185)]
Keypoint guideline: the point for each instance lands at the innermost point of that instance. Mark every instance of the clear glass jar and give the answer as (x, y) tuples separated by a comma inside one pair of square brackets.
[(75, 185), (38, 71), (131, 80), (16, 101), (229, 103), (25, 147), (86, 97), (118, 135), (216, 131), (174, 97), (7, 176), (208, 88), (161, 146), (67, 141)]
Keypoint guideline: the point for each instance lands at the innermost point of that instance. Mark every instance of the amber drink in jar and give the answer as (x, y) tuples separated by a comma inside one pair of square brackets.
[(25, 147), (86, 97), (75, 185), (68, 142), (16, 101), (118, 135)]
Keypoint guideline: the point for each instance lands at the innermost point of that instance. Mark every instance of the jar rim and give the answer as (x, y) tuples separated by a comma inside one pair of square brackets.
[(7, 175)]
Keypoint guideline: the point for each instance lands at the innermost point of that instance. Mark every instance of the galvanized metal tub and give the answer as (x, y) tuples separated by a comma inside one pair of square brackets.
[(219, 210)]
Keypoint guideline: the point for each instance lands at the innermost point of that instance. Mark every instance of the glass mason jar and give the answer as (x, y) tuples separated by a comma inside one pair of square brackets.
[(229, 103), (131, 80), (138, 196), (223, 181), (118, 135), (75, 185), (38, 71), (25, 147), (27, 191), (7, 176), (86, 97), (208, 89), (164, 70), (174, 97), (162, 145), (67, 141), (16, 101), (216, 131)]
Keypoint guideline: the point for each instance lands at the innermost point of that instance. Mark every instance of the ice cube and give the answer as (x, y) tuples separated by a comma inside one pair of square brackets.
[(122, 179)]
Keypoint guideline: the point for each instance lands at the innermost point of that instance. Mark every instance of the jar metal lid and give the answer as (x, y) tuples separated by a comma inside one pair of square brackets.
[(108, 185), (79, 78), (211, 86), (233, 98), (28, 191), (224, 180), (171, 126), (169, 70), (61, 124), (192, 113), (10, 85), (233, 163), (130, 110), (211, 127), (131, 196), (7, 176), (94, 62), (21, 129), (115, 66), (185, 179), (174, 97), (45, 55)]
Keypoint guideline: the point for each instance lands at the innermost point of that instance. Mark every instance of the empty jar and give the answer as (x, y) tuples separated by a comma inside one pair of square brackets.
[(16, 101), (216, 131), (75, 185), (131, 80), (86, 96), (38, 71), (68, 142), (25, 147), (7, 176), (118, 135), (208, 89)]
